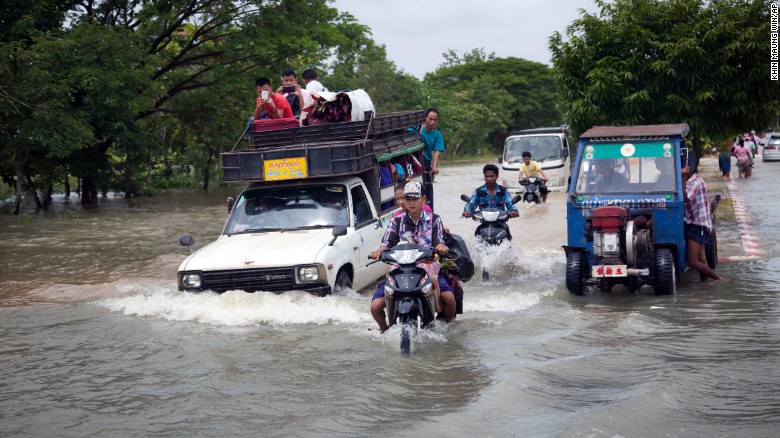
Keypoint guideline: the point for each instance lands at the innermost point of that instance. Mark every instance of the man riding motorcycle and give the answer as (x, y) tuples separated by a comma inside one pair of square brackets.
[(491, 195), (531, 168), (422, 228)]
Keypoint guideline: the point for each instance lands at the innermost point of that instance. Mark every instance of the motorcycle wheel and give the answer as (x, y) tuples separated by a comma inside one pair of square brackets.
[(575, 279), (407, 324), (711, 251), (665, 280)]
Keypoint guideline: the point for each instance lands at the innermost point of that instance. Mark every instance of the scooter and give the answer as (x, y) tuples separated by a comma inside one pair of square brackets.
[(492, 228), (409, 295), (532, 194)]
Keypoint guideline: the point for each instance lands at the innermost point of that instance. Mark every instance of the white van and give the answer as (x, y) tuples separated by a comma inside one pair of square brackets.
[(548, 146)]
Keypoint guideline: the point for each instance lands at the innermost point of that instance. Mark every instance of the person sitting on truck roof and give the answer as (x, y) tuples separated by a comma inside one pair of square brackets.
[(434, 146), (490, 195), (291, 91), (531, 168), (276, 106), (423, 228), (310, 81)]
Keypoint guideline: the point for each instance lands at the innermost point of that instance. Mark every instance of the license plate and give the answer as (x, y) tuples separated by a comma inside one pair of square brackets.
[(609, 271)]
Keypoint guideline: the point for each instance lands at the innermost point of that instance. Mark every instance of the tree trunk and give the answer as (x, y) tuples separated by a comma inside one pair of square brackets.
[(48, 186), (129, 175), (206, 173), (89, 191), (19, 188), (149, 167), (34, 193), (66, 184), (78, 187)]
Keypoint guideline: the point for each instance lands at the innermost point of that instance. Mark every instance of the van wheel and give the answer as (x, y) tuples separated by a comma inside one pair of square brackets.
[(574, 272), (343, 281), (711, 250), (665, 279)]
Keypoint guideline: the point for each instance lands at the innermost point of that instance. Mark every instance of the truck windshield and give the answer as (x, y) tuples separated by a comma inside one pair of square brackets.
[(627, 168), (289, 208), (541, 147)]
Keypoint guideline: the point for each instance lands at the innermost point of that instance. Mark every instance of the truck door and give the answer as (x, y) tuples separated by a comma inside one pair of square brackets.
[(367, 238)]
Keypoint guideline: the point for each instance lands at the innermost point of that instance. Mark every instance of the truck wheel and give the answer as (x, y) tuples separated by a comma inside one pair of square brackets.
[(665, 280), (343, 281), (574, 272), (711, 251)]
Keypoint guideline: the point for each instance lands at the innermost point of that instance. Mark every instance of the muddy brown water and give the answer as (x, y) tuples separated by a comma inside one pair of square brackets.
[(96, 340)]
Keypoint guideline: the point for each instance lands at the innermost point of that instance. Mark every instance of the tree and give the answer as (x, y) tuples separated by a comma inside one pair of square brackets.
[(482, 98), (647, 62)]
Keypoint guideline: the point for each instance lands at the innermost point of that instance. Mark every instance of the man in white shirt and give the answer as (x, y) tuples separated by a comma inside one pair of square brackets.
[(310, 81)]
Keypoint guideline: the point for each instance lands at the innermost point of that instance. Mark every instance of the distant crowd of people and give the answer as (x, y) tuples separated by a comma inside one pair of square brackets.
[(745, 149)]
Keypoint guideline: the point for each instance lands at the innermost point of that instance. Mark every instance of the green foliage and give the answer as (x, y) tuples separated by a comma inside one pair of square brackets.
[(646, 62), (481, 98)]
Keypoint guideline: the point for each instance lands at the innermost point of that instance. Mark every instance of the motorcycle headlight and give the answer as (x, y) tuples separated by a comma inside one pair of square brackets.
[(490, 216), (310, 274), (191, 281)]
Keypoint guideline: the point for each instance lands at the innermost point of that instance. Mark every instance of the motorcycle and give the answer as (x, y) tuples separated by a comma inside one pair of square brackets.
[(409, 295), (493, 227), (532, 194)]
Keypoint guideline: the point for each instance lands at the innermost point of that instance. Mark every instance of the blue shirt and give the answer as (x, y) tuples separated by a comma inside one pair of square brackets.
[(433, 142), (500, 199)]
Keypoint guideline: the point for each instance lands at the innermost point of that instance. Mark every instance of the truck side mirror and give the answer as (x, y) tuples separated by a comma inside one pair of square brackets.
[(500, 160), (338, 230), (231, 201), (564, 153), (187, 241)]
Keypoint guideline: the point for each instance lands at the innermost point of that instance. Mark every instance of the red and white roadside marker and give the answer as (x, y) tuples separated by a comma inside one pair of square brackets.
[(754, 250)]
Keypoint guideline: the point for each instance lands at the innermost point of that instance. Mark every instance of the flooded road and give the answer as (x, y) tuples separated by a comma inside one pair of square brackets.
[(96, 340)]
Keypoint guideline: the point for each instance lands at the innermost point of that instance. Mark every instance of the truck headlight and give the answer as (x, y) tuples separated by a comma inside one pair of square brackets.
[(191, 281), (310, 274), (556, 182)]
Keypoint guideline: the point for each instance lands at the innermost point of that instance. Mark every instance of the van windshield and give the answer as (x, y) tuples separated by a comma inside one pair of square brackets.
[(541, 147), (289, 208)]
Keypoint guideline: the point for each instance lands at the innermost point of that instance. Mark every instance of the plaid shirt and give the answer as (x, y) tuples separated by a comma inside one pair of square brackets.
[(427, 231), (500, 199), (697, 208)]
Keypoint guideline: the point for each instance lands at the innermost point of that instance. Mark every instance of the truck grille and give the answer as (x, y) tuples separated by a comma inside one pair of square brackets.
[(250, 280)]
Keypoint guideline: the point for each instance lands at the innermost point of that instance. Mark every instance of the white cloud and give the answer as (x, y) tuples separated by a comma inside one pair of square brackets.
[(416, 33)]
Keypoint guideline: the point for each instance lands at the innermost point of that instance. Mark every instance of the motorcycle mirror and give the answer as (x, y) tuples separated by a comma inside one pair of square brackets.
[(465, 198), (231, 201), (516, 199)]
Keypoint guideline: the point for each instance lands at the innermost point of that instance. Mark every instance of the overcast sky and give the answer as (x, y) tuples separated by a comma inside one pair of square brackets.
[(417, 32)]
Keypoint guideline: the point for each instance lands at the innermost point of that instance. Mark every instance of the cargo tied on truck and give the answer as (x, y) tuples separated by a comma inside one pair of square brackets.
[(316, 203)]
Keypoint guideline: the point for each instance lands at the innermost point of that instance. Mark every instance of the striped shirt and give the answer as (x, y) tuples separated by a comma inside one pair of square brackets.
[(427, 231), (697, 208)]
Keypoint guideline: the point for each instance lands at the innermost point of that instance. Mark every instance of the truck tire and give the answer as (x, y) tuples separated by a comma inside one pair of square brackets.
[(664, 279), (711, 250), (575, 278), (343, 281)]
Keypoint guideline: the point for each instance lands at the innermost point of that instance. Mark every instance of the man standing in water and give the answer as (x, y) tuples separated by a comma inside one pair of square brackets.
[(698, 224), (434, 145)]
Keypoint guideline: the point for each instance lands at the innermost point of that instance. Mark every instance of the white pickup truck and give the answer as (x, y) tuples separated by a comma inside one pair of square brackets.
[(313, 211)]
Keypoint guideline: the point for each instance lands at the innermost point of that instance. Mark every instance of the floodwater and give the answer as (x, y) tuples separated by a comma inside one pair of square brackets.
[(97, 341)]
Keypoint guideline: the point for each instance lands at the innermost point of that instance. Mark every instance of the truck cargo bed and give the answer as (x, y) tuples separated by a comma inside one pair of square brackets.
[(323, 151)]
